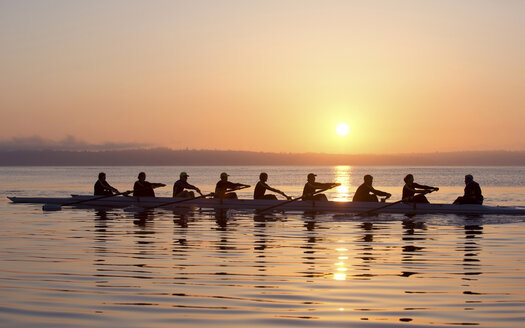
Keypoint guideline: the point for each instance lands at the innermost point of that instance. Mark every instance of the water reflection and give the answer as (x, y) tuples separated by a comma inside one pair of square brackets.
[(143, 218), (365, 249), (225, 225), (412, 253), (471, 249), (181, 217), (221, 218), (260, 241), (310, 247), (101, 230), (341, 266)]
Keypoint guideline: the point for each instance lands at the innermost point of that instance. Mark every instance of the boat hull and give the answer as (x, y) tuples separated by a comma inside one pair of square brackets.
[(327, 206)]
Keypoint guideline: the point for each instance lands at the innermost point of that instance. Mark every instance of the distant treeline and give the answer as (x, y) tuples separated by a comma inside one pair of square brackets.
[(163, 156)]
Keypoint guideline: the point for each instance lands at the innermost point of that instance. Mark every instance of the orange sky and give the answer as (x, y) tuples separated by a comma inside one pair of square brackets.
[(407, 76)]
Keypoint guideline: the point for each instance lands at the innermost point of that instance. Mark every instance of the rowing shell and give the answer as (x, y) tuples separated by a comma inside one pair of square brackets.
[(324, 206)]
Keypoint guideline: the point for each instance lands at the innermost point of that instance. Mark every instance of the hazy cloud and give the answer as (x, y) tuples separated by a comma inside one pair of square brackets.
[(68, 143)]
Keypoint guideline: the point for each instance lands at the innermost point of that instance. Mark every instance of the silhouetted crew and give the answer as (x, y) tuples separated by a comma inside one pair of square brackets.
[(102, 187), (367, 193), (181, 184), (311, 187), (261, 187), (144, 188), (414, 192), (472, 192), (223, 186)]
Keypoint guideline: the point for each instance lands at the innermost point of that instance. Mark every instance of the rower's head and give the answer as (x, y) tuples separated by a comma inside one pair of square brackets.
[(368, 179), (468, 178), (311, 177), (184, 176), (142, 176), (102, 176), (224, 176), (409, 178), (263, 176)]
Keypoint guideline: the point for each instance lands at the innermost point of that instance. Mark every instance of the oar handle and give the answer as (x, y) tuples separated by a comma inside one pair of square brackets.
[(236, 189), (178, 201), (188, 199), (295, 199), (397, 202)]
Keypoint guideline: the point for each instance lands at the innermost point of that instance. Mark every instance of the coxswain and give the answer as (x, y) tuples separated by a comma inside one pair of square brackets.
[(182, 184), (367, 193), (262, 186), (144, 188), (224, 186), (310, 188), (414, 192), (472, 192), (102, 187)]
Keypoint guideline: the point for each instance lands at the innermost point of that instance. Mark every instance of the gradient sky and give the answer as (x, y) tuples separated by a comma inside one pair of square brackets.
[(407, 76)]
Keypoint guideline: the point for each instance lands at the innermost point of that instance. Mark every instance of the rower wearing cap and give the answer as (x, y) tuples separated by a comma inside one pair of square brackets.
[(311, 187), (223, 186), (261, 187), (181, 184)]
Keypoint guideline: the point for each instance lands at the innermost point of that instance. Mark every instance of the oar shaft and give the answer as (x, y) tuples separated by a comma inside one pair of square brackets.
[(58, 207), (97, 198), (291, 201), (188, 199), (394, 203), (177, 201)]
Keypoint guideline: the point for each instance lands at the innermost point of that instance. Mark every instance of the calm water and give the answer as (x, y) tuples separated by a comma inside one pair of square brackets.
[(82, 267)]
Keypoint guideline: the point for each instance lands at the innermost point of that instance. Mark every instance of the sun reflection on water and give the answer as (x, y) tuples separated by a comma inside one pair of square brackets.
[(340, 266), (342, 175)]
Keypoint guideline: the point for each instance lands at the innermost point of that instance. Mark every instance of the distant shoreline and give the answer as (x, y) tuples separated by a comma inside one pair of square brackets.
[(169, 157)]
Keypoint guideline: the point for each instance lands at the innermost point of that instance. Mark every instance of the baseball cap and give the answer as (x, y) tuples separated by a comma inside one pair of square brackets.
[(224, 174), (311, 175), (184, 174)]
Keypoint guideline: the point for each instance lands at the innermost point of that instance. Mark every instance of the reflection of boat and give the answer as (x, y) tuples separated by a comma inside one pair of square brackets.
[(330, 206)]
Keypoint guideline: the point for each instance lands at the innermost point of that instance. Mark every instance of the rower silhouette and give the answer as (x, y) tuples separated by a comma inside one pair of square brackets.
[(182, 184), (102, 187), (144, 188), (367, 193), (262, 186), (311, 187), (223, 186), (414, 192), (472, 193)]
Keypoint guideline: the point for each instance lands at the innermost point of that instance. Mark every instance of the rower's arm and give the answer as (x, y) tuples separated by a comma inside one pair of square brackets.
[(272, 189), (425, 188), (196, 189), (232, 185), (379, 192)]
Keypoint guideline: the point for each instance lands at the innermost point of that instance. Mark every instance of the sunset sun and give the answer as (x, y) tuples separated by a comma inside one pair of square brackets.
[(342, 129)]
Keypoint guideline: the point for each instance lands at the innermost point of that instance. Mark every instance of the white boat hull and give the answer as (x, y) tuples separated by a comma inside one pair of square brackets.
[(328, 206)]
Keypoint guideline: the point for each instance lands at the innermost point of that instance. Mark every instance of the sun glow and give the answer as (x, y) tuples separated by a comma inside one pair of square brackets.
[(342, 129)]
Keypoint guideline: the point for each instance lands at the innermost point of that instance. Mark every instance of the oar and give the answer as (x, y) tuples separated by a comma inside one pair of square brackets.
[(293, 200), (133, 208), (58, 207), (394, 203), (145, 208)]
